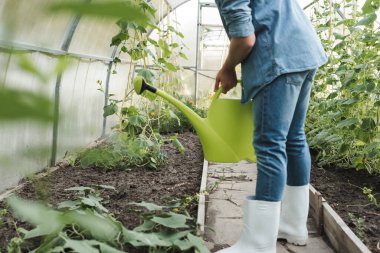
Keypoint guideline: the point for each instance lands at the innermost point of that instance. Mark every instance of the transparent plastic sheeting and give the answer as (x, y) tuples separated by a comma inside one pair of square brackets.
[(26, 21), (25, 145), (81, 106)]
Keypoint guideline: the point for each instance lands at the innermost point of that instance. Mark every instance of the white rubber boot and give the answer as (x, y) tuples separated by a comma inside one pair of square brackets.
[(259, 234), (294, 212)]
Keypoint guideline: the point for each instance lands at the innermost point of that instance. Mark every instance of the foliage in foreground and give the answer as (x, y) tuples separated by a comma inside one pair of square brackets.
[(344, 117), (85, 225)]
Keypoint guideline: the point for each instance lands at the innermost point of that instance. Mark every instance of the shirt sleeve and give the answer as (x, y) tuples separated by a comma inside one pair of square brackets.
[(237, 17)]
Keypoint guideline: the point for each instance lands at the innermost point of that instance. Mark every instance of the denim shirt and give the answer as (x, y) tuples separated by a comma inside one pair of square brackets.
[(285, 40)]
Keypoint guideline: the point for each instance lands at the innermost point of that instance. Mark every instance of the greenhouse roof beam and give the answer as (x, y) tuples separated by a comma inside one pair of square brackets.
[(5, 45)]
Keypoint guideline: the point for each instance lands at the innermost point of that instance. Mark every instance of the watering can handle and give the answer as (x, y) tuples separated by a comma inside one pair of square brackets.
[(219, 91)]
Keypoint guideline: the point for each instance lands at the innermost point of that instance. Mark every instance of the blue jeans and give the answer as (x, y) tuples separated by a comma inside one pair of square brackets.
[(280, 145)]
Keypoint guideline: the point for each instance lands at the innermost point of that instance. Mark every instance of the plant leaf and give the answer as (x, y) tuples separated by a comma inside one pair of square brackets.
[(367, 20), (173, 221), (347, 122), (198, 243), (126, 10), (21, 104), (149, 206)]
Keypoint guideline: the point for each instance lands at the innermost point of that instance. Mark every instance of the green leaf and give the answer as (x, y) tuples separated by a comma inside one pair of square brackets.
[(171, 115), (147, 74), (126, 10), (172, 220), (118, 38), (198, 243), (146, 226), (177, 144), (347, 122), (370, 6), (349, 101), (172, 236), (110, 110), (367, 20), (377, 103), (69, 204), (183, 55), (99, 227), (368, 124), (80, 246), (149, 206), (170, 66), (332, 138), (22, 104), (47, 220), (143, 239), (183, 244), (30, 67)]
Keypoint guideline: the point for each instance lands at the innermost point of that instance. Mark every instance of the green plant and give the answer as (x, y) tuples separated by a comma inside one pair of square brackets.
[(344, 116), (84, 225), (14, 246), (359, 225), (371, 196), (123, 151), (3, 212)]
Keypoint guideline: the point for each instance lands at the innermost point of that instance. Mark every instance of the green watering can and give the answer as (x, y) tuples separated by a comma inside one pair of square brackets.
[(226, 134)]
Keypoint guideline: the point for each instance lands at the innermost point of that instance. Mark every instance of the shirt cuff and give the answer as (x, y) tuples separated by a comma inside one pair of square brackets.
[(240, 29)]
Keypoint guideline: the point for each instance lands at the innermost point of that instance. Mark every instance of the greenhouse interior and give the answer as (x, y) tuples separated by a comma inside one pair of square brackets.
[(116, 138)]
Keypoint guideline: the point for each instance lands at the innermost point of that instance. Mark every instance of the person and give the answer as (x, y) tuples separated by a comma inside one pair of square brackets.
[(279, 52)]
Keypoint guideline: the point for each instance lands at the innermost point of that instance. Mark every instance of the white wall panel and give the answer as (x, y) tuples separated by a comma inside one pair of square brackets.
[(24, 145), (81, 106)]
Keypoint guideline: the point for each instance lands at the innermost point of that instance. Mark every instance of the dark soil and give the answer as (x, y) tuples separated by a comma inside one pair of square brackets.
[(342, 190), (179, 177)]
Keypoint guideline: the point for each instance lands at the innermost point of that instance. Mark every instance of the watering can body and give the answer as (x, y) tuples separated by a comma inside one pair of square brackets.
[(226, 134)]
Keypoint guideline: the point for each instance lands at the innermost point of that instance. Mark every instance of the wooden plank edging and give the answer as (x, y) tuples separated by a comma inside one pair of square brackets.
[(330, 223), (201, 216)]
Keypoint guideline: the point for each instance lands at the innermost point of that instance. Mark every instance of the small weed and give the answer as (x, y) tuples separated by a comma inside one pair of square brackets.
[(3, 212), (371, 196), (359, 225)]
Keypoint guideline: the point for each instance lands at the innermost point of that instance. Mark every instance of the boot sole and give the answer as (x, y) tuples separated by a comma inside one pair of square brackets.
[(293, 240)]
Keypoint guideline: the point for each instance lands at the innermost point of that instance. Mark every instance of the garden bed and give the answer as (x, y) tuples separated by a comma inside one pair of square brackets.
[(178, 178), (343, 190)]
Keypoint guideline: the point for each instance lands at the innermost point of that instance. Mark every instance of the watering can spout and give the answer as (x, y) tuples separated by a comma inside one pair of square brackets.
[(226, 134)]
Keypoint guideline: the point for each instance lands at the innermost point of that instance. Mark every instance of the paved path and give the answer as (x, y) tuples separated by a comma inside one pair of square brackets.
[(227, 185)]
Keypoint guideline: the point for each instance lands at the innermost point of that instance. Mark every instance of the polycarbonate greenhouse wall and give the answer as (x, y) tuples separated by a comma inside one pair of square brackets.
[(29, 29)]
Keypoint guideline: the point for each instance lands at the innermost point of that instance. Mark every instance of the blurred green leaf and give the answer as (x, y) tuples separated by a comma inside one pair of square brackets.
[(110, 109), (173, 220), (370, 6), (367, 20), (147, 74), (80, 246), (47, 220), (149, 206), (198, 244), (177, 144), (22, 104), (347, 122), (126, 10), (99, 227), (28, 66)]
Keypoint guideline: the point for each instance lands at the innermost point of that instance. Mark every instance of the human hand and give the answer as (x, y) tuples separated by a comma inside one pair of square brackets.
[(226, 78)]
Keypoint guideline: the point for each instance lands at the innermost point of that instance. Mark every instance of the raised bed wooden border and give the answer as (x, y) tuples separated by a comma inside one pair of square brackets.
[(329, 223)]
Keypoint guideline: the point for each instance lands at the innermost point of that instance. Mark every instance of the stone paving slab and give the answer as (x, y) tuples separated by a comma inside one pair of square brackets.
[(227, 185)]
